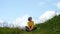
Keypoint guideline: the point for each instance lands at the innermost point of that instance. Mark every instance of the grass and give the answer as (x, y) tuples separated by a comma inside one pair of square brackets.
[(51, 26)]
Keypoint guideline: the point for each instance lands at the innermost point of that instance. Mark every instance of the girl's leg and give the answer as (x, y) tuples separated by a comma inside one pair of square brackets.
[(27, 29)]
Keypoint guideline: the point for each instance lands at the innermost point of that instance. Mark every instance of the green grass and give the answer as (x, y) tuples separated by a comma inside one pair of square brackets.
[(51, 26)]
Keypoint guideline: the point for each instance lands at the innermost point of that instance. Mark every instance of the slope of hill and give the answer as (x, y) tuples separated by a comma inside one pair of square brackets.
[(51, 26)]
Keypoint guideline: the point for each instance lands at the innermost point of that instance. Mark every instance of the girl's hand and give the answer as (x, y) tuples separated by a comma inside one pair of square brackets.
[(31, 28)]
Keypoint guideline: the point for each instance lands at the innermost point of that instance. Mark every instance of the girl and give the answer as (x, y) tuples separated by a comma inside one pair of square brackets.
[(30, 24)]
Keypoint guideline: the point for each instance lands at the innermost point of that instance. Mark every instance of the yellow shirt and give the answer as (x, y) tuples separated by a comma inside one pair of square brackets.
[(30, 24)]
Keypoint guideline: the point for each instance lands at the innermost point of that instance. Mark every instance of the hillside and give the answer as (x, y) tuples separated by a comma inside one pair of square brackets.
[(51, 26)]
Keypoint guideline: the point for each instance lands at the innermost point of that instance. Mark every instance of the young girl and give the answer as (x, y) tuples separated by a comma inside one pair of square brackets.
[(30, 24)]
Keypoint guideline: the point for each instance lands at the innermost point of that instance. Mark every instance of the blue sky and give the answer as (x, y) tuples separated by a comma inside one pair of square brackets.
[(12, 9)]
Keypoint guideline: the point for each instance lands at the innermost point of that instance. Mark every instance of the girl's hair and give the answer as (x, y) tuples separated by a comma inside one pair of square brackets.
[(29, 18)]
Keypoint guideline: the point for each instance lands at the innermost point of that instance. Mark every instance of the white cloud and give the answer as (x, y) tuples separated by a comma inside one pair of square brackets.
[(58, 14), (21, 21), (1, 21), (46, 16), (58, 5)]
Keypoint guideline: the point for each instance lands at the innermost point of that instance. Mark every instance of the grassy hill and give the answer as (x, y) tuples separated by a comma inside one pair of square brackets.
[(51, 26)]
